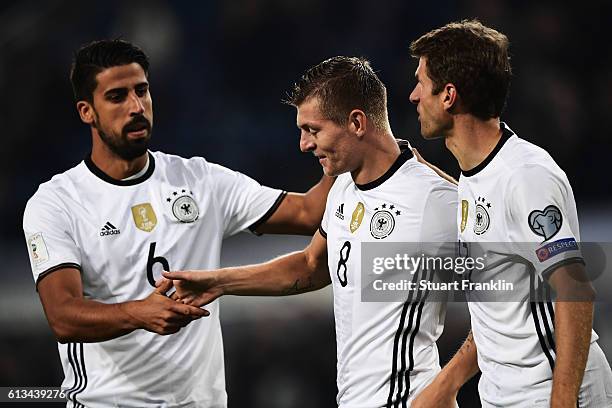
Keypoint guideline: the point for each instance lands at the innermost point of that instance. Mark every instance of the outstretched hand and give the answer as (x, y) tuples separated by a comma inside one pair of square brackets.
[(195, 288), (159, 314)]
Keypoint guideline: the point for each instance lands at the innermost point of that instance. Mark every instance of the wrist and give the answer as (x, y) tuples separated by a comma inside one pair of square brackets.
[(221, 281), (128, 315)]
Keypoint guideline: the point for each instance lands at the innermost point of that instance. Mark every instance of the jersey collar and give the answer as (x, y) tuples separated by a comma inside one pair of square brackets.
[(506, 134), (404, 156), (105, 177)]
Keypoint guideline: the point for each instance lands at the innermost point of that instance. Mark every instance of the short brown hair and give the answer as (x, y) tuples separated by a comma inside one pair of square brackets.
[(343, 84), (472, 57)]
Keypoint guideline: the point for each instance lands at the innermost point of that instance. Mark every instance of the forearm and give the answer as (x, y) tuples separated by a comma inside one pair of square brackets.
[(83, 320), (288, 275), (462, 367), (573, 324)]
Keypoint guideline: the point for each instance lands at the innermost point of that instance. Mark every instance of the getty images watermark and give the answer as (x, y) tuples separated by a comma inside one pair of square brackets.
[(491, 272)]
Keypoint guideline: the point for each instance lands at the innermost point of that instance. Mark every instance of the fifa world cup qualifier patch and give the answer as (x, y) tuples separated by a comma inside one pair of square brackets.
[(38, 249), (546, 223)]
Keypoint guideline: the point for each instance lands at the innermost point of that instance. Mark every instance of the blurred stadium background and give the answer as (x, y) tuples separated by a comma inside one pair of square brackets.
[(219, 71)]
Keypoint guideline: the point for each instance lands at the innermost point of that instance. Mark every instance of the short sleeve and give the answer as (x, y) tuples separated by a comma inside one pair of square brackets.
[(439, 215), (543, 222), (49, 237), (325, 220), (438, 227), (244, 202)]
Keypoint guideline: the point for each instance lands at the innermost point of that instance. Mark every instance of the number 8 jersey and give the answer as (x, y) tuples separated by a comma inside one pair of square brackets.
[(120, 234), (386, 351)]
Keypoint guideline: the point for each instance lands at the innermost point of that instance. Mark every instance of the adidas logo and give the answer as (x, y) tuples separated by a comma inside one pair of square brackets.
[(340, 211), (109, 229)]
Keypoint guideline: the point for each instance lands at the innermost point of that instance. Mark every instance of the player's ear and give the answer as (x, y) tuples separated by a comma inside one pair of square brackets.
[(86, 112), (358, 122), (450, 98)]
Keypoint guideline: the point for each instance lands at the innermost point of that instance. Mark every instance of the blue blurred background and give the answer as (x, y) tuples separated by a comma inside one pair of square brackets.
[(219, 71)]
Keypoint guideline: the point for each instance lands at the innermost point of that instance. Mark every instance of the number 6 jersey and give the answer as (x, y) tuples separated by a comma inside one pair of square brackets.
[(386, 350), (120, 234)]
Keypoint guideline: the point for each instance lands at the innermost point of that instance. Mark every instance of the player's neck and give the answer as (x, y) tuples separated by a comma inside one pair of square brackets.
[(379, 156), (471, 140), (114, 166)]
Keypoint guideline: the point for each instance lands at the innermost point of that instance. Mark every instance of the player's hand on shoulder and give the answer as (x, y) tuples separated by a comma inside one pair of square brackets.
[(196, 288), (159, 314)]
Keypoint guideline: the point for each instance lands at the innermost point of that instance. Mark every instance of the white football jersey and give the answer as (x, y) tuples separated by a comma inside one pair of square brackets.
[(120, 235), (386, 351), (516, 209)]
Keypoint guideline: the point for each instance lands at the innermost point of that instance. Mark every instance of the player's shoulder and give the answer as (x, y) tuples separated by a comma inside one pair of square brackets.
[(520, 154), (423, 178), (527, 163), (196, 165), (60, 185), (176, 162)]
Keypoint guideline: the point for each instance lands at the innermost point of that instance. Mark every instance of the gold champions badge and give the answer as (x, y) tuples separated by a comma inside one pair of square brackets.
[(357, 217), (144, 217), (464, 214)]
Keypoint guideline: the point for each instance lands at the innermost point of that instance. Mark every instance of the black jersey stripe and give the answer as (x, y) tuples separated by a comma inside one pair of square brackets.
[(403, 371), (79, 371), (396, 340), (545, 306), (84, 371), (551, 312), (401, 376), (77, 362), (400, 383), (536, 322), (411, 347), (549, 306), (551, 361), (74, 371), (549, 333), (78, 379)]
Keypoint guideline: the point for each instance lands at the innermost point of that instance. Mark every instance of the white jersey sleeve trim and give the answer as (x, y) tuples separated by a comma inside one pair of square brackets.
[(65, 265), (268, 214)]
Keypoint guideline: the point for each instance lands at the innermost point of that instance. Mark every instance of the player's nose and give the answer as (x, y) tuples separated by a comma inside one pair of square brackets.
[(136, 105), (306, 142), (414, 97)]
